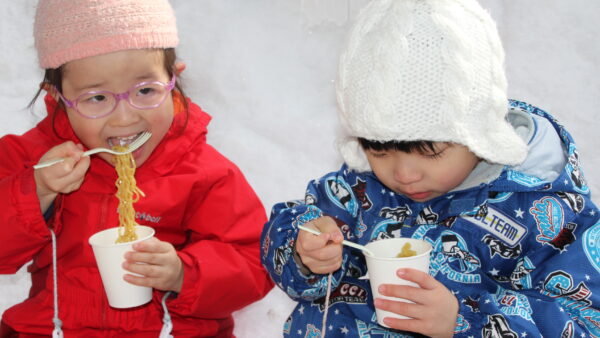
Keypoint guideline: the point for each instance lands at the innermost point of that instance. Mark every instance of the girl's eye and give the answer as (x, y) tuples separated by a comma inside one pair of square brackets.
[(145, 91), (95, 99)]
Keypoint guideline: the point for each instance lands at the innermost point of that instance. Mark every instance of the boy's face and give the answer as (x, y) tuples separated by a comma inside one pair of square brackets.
[(117, 72), (423, 176)]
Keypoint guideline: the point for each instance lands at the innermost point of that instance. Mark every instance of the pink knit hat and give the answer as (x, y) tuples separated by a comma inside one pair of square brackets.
[(70, 30)]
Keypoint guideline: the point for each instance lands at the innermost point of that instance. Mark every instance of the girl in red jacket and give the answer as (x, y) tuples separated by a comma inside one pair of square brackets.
[(111, 75)]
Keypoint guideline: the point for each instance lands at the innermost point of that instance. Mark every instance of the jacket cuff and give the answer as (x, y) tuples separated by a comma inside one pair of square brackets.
[(191, 273)]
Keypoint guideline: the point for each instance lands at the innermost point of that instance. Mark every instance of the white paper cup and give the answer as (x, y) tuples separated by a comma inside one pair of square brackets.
[(383, 266), (110, 257)]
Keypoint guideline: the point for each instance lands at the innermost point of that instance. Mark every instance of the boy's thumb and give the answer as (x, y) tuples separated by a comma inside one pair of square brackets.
[(336, 236)]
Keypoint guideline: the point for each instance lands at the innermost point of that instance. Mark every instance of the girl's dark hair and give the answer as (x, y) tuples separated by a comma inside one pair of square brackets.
[(404, 146), (53, 77)]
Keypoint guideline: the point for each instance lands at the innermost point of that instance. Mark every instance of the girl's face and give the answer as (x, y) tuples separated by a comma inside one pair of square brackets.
[(423, 176), (117, 72)]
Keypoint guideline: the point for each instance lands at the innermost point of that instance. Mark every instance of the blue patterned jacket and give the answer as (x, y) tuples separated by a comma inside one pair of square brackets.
[(528, 249)]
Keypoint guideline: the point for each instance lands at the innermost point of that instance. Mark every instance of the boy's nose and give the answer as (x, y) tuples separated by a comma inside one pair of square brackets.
[(406, 172)]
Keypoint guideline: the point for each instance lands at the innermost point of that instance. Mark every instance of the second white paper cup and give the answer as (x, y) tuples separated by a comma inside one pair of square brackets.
[(383, 266), (109, 257)]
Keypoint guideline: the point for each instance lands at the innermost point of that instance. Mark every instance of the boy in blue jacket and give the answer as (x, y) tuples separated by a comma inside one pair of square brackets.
[(434, 151)]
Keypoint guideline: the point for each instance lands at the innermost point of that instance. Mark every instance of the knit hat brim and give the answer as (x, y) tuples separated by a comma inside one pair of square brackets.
[(501, 145)]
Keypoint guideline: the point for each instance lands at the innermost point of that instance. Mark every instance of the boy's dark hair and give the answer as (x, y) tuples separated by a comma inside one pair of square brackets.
[(53, 77), (404, 146)]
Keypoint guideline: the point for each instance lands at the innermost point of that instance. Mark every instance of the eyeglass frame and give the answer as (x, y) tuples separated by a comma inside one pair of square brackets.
[(118, 97)]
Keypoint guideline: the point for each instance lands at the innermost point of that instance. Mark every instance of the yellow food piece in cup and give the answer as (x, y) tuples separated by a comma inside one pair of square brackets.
[(127, 194), (406, 251)]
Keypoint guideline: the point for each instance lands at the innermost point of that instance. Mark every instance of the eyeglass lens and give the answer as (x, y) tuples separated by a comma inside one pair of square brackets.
[(142, 96)]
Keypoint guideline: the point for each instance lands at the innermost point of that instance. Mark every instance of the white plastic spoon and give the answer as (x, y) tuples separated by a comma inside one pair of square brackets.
[(345, 242)]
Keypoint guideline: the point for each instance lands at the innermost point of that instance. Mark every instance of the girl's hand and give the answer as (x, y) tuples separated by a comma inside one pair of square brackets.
[(157, 262), (63, 177), (434, 312), (323, 253)]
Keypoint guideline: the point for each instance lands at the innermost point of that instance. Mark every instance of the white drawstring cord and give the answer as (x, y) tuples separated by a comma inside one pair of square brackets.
[(165, 332), (57, 331), (324, 329)]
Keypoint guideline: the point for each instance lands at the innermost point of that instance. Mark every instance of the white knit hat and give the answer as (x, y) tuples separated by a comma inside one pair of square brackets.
[(428, 70)]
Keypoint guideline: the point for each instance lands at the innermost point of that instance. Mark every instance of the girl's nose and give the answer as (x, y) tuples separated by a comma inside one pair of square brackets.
[(125, 113), (407, 172)]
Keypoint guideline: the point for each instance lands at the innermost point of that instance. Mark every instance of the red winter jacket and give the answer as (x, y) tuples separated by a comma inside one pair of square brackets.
[(196, 199)]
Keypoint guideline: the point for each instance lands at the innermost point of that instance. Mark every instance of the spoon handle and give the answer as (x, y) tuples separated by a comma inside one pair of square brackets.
[(345, 242)]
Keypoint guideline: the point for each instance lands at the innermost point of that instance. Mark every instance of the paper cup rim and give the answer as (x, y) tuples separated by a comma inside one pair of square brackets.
[(152, 232), (425, 253)]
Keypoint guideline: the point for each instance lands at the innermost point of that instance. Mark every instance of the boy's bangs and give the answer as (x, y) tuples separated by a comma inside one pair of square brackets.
[(404, 146)]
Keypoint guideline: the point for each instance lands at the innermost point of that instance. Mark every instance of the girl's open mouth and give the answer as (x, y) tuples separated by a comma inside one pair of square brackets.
[(122, 141)]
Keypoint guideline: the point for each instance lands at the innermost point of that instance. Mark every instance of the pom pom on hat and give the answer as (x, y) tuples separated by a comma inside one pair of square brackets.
[(67, 30), (425, 70)]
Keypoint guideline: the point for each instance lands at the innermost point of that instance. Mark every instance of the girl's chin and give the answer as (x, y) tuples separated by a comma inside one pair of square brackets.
[(138, 153), (140, 156)]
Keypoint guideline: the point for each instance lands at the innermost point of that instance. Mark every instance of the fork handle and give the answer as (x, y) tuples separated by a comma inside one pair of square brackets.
[(48, 163), (58, 160), (95, 151)]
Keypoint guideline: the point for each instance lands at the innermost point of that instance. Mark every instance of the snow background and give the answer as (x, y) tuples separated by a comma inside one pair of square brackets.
[(265, 70)]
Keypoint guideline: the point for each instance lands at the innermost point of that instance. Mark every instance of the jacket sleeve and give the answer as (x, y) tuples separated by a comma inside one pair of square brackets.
[(222, 270), (23, 229), (280, 233), (554, 289)]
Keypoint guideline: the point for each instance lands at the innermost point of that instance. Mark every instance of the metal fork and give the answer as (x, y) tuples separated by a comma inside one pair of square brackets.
[(132, 146)]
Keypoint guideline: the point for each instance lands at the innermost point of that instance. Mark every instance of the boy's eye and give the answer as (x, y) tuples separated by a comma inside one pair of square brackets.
[(378, 154), (436, 153), (433, 155)]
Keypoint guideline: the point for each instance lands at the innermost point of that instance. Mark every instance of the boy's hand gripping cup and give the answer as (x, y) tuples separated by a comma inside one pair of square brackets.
[(110, 257), (383, 266)]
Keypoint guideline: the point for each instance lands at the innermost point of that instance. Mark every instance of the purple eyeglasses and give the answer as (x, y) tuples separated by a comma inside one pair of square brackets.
[(97, 104)]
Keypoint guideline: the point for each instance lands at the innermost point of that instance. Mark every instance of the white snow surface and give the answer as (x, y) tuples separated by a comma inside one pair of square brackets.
[(265, 71)]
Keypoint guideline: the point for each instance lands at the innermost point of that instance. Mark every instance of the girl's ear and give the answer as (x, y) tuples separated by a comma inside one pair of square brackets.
[(50, 89), (179, 67)]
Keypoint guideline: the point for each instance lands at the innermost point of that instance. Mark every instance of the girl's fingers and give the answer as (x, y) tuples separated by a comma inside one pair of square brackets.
[(146, 270), (155, 283), (142, 257), (81, 166), (137, 280), (152, 245), (147, 252)]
